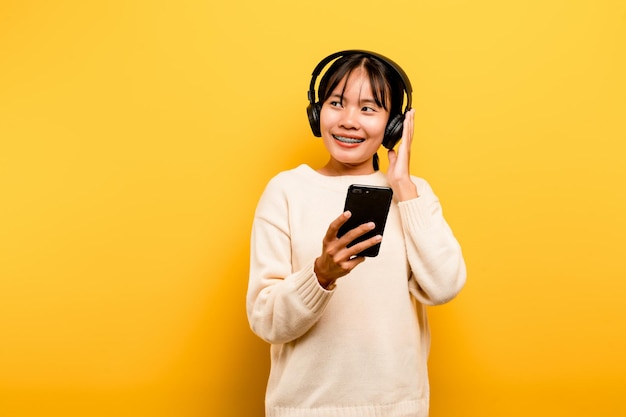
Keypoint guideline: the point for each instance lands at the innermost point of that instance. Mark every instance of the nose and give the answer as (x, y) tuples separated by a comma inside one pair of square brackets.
[(349, 118)]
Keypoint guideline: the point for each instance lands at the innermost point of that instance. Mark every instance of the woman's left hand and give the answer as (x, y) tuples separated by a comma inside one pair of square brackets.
[(398, 173)]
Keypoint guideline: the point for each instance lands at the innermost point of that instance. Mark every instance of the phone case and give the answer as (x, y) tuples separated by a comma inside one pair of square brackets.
[(367, 203)]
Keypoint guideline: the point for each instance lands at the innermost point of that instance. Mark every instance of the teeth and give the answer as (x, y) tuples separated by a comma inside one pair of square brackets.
[(348, 140)]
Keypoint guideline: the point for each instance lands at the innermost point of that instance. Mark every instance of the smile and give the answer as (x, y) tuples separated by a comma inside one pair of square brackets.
[(348, 140)]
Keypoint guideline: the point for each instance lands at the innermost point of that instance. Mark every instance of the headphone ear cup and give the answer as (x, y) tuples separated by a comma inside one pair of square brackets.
[(393, 131), (313, 111)]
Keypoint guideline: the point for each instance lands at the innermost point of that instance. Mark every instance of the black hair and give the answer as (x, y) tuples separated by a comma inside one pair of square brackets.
[(387, 86)]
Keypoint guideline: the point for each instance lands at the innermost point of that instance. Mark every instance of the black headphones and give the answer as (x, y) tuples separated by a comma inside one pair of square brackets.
[(393, 131)]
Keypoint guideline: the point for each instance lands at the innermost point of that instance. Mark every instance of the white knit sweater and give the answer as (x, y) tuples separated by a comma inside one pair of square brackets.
[(359, 350)]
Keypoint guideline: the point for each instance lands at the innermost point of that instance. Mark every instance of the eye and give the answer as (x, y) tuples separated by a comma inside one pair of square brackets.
[(368, 109), (333, 103)]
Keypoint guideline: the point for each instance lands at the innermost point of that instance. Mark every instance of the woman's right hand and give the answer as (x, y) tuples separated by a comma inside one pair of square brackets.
[(337, 259)]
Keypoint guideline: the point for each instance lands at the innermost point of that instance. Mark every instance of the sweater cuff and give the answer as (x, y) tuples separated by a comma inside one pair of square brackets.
[(313, 295), (414, 213)]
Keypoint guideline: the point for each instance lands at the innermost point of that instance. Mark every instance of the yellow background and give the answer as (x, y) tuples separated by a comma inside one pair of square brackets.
[(136, 137)]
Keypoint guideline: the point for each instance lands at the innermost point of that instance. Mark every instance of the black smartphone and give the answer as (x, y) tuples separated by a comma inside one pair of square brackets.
[(367, 203)]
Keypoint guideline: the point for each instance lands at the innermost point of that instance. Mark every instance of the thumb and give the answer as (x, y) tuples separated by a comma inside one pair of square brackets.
[(393, 156)]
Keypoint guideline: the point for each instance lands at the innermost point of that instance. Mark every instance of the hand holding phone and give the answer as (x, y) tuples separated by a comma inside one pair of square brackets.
[(367, 203)]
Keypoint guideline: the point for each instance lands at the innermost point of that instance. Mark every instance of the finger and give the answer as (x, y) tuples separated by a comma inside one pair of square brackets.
[(355, 233), (404, 150), (392, 156), (361, 246), (333, 228), (352, 263), (407, 129)]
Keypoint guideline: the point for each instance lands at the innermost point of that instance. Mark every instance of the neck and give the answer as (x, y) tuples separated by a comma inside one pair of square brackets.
[(335, 168)]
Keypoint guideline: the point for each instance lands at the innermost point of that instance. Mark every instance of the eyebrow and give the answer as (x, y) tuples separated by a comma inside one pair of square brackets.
[(369, 101), (361, 101)]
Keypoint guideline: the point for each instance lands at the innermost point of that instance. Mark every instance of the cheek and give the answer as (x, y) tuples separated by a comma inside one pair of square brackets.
[(376, 127), (327, 118)]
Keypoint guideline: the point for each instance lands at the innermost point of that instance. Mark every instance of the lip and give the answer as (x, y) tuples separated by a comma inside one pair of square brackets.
[(348, 141)]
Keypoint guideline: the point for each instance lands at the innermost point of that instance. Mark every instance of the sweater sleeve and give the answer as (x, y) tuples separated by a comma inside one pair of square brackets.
[(281, 304), (438, 270)]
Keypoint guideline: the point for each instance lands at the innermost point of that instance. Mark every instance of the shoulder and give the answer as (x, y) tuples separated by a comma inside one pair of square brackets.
[(283, 187), (423, 187), (286, 180)]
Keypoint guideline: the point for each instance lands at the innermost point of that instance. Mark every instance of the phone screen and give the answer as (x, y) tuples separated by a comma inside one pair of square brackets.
[(367, 203)]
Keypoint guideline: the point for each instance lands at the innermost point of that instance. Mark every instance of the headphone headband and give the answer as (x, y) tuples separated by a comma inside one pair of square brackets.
[(408, 89)]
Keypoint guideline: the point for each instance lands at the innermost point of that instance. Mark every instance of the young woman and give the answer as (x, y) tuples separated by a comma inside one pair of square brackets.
[(349, 334)]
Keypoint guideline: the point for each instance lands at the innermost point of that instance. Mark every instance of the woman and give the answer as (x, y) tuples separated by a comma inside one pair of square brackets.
[(348, 334)]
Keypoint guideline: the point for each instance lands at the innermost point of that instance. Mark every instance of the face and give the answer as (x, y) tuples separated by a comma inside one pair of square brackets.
[(352, 126)]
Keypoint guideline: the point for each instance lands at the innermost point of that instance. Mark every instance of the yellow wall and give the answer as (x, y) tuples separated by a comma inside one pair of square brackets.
[(136, 137)]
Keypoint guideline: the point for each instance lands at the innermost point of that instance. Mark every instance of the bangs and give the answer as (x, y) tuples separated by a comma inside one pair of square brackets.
[(379, 85), (341, 70)]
